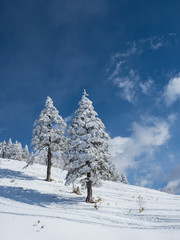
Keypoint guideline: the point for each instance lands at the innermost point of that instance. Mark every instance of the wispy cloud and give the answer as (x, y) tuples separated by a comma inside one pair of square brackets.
[(146, 137), (152, 43), (131, 51), (174, 173), (156, 46), (149, 173), (174, 186), (172, 91), (173, 178), (124, 73), (146, 87), (68, 118), (128, 85)]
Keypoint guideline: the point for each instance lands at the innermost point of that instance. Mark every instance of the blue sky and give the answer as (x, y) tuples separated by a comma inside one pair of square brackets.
[(126, 55)]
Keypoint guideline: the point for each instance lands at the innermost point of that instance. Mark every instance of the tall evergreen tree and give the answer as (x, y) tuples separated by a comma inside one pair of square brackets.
[(48, 133), (9, 149), (25, 153), (123, 178), (3, 149), (87, 155), (17, 151)]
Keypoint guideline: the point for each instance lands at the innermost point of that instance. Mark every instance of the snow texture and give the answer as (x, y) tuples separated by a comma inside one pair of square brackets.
[(31, 208)]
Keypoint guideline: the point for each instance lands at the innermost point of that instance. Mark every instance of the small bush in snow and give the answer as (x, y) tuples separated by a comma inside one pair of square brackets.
[(96, 206), (140, 203)]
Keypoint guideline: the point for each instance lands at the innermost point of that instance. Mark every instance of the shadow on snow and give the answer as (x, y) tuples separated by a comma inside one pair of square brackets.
[(6, 173), (33, 197)]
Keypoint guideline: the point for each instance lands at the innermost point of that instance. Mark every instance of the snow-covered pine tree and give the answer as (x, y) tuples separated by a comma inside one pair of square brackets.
[(3, 149), (9, 149), (0, 149), (17, 151), (123, 178), (1, 146), (87, 155), (48, 133), (25, 153), (115, 176)]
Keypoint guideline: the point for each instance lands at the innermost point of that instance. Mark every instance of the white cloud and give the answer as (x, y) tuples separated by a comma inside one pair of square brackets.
[(119, 148), (122, 64), (174, 186), (145, 139), (144, 182), (172, 91), (127, 86), (154, 43), (172, 118), (151, 136), (146, 87), (117, 70), (173, 178), (156, 46), (125, 81), (68, 119), (122, 76), (149, 172), (174, 173), (131, 51)]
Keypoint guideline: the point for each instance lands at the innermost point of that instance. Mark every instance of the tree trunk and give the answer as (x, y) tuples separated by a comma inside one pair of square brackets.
[(48, 178), (89, 189)]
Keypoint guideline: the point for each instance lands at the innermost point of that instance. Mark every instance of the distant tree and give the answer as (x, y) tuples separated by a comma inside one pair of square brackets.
[(87, 157), (169, 190), (115, 176), (0, 149), (48, 133), (123, 178), (3, 149), (25, 153), (9, 147), (14, 151), (17, 151)]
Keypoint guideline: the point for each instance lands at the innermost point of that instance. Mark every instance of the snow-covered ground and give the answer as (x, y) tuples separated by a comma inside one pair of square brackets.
[(32, 209)]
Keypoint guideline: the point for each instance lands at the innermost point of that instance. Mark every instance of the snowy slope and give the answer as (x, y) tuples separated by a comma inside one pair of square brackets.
[(31, 208)]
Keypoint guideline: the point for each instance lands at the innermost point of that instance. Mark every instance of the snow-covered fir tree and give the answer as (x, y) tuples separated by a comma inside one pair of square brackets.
[(3, 149), (115, 176), (123, 178), (25, 153), (13, 151), (48, 133), (87, 156), (9, 149), (17, 151)]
